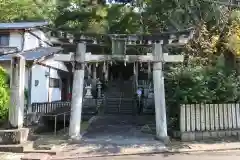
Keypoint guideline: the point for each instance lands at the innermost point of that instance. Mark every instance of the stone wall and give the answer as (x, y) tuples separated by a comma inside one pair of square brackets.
[(203, 121)]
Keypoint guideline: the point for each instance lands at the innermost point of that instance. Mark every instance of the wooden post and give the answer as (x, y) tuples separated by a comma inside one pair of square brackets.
[(94, 81), (89, 70), (106, 72), (136, 73), (29, 101), (16, 109), (149, 71), (77, 92), (99, 89), (159, 95)]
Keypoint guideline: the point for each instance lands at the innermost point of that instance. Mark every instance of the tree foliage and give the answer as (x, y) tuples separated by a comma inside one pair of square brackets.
[(202, 84), (25, 10)]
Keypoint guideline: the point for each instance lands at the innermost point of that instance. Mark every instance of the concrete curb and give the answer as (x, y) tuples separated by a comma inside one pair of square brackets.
[(203, 150), (167, 151)]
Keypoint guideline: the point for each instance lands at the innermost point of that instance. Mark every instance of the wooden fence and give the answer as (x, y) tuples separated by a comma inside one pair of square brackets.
[(201, 121), (48, 107)]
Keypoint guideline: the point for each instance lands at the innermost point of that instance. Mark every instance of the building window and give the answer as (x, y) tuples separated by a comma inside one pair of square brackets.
[(4, 39), (54, 83)]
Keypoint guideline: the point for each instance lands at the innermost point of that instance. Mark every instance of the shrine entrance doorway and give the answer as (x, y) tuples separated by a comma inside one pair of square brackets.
[(121, 71)]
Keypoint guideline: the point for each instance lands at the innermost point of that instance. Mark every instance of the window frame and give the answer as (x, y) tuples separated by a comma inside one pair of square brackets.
[(54, 83), (6, 35)]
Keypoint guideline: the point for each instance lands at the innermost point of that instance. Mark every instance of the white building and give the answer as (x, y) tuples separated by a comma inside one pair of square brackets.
[(46, 80)]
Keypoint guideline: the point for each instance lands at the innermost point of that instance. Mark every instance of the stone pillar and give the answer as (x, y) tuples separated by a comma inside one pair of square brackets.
[(159, 95), (16, 109), (77, 92)]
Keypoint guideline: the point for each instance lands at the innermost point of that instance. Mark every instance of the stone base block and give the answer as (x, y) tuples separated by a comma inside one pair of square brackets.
[(198, 135), (234, 133), (13, 136), (228, 133), (213, 134), (221, 134), (16, 148), (203, 135), (185, 136)]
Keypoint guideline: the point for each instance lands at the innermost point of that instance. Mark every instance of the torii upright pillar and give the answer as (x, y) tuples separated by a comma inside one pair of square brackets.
[(159, 94), (77, 92)]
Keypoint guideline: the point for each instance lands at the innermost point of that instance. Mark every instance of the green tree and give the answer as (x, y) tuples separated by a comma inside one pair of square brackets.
[(26, 10)]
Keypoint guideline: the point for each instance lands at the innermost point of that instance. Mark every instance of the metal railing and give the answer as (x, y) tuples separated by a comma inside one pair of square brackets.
[(55, 120), (47, 107)]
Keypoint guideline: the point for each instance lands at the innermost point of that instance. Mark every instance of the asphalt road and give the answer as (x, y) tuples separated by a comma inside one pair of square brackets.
[(231, 155)]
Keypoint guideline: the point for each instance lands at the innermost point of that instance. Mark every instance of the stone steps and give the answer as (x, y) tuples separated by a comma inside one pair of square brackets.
[(115, 105), (118, 99)]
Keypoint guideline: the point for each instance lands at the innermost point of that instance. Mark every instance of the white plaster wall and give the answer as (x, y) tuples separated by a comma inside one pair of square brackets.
[(31, 42), (55, 93), (39, 93), (42, 92), (16, 40)]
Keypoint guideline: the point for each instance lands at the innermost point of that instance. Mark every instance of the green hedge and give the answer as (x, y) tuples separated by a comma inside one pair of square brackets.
[(4, 94)]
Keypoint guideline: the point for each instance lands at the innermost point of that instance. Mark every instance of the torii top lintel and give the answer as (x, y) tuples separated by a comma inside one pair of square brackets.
[(182, 37), (131, 39)]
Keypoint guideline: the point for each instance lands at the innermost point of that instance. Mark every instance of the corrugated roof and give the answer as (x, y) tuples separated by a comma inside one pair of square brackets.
[(22, 25), (34, 54)]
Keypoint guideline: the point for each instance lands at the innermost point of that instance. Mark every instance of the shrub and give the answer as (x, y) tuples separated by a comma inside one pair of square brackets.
[(4, 94)]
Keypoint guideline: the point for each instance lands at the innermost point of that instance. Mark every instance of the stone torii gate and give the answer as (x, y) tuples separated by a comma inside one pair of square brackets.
[(157, 58)]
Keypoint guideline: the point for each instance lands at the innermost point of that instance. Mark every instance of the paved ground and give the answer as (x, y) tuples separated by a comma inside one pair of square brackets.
[(119, 130), (113, 135), (234, 155)]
